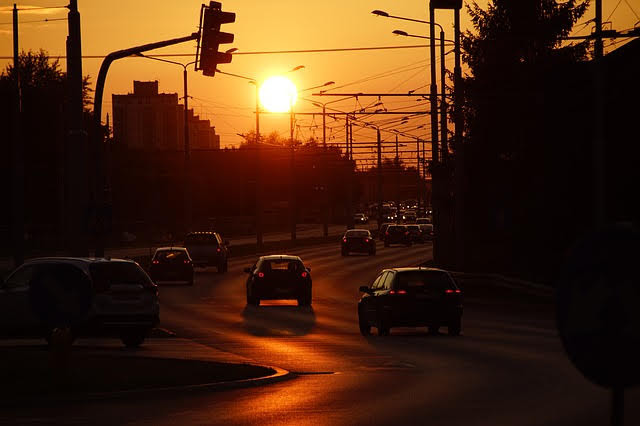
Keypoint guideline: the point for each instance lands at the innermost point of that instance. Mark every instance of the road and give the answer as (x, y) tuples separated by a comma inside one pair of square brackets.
[(508, 367)]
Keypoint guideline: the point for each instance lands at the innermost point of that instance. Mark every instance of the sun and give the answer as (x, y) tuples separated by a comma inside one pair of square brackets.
[(278, 94)]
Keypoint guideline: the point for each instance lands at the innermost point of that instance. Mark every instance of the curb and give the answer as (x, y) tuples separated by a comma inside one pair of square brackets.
[(280, 375)]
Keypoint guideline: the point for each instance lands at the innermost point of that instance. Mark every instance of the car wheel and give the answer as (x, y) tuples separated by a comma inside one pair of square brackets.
[(133, 338), (455, 327), (365, 328)]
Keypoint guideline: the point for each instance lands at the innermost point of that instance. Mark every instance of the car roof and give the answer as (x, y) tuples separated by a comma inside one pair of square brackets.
[(171, 249), (357, 229), (416, 268), (280, 257)]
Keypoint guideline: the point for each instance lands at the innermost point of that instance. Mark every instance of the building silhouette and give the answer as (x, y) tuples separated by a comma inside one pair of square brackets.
[(150, 121)]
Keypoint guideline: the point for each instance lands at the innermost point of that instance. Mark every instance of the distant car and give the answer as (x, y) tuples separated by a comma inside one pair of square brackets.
[(358, 240), (208, 249), (383, 229), (427, 231), (409, 217), (411, 297), (397, 234), (423, 220), (277, 277), (82, 294), (360, 218), (171, 264), (415, 233)]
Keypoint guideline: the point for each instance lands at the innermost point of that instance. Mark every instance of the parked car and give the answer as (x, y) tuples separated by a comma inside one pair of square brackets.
[(397, 234), (170, 265), (427, 231), (277, 277), (208, 249), (411, 297), (423, 220), (383, 229), (358, 240), (360, 218), (86, 295), (415, 233)]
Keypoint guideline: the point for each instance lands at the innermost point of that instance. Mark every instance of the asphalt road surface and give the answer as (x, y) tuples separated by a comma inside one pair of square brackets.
[(508, 367)]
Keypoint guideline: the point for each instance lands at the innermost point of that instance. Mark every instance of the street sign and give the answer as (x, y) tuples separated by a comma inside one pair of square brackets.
[(446, 4), (598, 307)]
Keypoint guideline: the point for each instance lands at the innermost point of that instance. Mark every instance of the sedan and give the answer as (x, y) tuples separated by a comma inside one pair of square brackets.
[(358, 240), (170, 265), (411, 297), (278, 277)]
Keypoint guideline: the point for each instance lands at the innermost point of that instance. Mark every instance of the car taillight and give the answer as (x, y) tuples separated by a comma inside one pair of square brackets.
[(218, 249), (260, 274), (398, 292), (155, 262), (366, 240), (186, 262), (449, 291), (304, 274), (344, 240), (386, 233), (406, 233)]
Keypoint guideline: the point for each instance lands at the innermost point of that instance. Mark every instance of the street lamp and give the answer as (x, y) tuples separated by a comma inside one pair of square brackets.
[(188, 201)]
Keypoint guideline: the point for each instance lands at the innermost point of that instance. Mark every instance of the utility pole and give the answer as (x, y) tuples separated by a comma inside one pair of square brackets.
[(418, 189), (292, 188), (258, 217), (77, 188), (188, 190), (397, 154), (460, 173), (379, 180), (598, 150), (325, 163), (17, 156)]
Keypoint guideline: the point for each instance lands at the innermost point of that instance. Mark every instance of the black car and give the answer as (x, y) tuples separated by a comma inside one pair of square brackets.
[(397, 234), (358, 240), (411, 297), (279, 277), (208, 249), (383, 229), (415, 233), (171, 264)]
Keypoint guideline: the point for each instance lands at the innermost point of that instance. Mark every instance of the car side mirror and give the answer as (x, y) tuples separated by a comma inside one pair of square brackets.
[(365, 289), (247, 270)]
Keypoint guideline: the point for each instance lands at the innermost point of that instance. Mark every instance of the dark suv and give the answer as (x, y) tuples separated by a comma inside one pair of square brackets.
[(411, 297), (397, 234), (85, 295), (279, 277), (207, 249)]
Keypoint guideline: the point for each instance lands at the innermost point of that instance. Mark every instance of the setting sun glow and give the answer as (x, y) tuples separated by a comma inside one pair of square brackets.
[(278, 94)]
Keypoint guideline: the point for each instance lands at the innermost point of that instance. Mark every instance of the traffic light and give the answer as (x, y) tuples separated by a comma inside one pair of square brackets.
[(211, 38)]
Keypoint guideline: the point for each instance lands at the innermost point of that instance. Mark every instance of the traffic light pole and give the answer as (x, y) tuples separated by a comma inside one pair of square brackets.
[(100, 185)]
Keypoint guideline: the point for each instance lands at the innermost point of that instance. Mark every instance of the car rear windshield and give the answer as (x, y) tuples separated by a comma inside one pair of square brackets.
[(281, 265), (169, 256), (360, 234), (397, 229), (426, 227), (107, 273), (413, 227), (201, 239), (420, 281)]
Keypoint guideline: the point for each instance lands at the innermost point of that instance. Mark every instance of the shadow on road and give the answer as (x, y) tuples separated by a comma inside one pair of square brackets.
[(278, 320)]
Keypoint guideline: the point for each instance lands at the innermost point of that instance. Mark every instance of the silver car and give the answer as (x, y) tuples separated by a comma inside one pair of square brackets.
[(83, 294)]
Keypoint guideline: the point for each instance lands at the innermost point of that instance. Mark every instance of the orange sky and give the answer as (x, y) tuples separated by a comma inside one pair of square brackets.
[(260, 26)]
